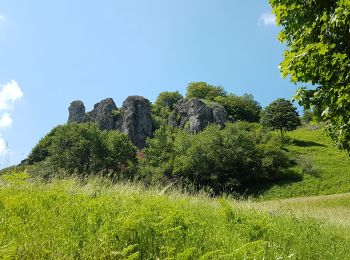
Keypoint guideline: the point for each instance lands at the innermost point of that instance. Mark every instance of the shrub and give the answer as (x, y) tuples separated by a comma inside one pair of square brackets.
[(241, 108), (221, 159), (85, 149), (203, 90)]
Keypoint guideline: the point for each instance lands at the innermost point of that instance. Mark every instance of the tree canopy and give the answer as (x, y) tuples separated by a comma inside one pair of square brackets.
[(222, 159), (203, 90), (85, 149), (280, 115), (317, 35), (165, 104), (241, 108)]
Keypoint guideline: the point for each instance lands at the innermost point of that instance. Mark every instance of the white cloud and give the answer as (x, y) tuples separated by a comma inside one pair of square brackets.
[(2, 18), (5, 120), (3, 147), (267, 19), (9, 93)]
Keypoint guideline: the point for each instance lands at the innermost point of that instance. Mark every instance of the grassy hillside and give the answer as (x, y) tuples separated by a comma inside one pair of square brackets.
[(69, 219), (323, 168), (332, 208)]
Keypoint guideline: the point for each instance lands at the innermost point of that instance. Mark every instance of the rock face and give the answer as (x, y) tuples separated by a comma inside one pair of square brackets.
[(137, 120), (133, 119), (194, 115), (77, 112), (102, 114)]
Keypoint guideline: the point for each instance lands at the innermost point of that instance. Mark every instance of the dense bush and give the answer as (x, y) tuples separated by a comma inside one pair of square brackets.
[(163, 107), (241, 108), (203, 90), (221, 159), (84, 149)]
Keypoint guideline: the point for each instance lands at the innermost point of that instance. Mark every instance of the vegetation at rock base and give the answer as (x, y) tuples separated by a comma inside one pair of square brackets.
[(317, 34), (226, 159), (84, 149)]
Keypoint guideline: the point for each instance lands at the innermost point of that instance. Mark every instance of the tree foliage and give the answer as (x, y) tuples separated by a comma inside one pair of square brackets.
[(222, 159), (163, 106), (241, 108), (317, 34), (84, 149), (280, 115), (203, 90)]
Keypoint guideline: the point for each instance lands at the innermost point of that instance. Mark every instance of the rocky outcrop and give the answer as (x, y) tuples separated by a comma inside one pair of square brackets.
[(137, 120), (103, 114), (133, 119), (77, 112), (194, 115)]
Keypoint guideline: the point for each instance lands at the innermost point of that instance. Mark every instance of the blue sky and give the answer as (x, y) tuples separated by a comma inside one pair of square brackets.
[(54, 52)]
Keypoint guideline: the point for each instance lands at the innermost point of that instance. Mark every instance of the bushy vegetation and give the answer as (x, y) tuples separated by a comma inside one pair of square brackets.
[(204, 90), (226, 159), (84, 149), (67, 219), (241, 108), (163, 106)]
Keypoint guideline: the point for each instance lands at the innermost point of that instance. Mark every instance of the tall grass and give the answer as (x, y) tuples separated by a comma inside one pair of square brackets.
[(70, 219)]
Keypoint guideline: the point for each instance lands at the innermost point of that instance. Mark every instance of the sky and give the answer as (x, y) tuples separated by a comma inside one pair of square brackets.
[(55, 52)]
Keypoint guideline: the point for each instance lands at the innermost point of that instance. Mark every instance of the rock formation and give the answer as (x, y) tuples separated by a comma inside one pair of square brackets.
[(133, 119), (77, 112), (194, 115), (137, 120), (102, 114)]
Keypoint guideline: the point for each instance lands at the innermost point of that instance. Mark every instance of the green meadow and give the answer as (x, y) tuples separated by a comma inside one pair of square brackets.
[(77, 218), (323, 168), (71, 219)]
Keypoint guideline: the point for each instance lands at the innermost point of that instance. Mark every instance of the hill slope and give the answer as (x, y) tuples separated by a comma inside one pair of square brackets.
[(67, 219), (324, 168)]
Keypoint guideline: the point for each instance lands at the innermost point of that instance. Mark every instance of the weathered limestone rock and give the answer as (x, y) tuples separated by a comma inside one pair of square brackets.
[(134, 119), (77, 112), (102, 114), (194, 115), (137, 120)]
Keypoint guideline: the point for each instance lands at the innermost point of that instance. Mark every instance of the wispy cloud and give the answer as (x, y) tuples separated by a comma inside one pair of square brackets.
[(5, 120), (2, 17), (3, 147), (9, 94), (267, 19)]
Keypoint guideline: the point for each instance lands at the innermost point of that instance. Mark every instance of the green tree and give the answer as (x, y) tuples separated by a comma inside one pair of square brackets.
[(163, 106), (85, 149), (241, 108), (120, 153), (203, 90), (222, 159), (280, 115), (318, 52)]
